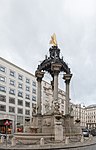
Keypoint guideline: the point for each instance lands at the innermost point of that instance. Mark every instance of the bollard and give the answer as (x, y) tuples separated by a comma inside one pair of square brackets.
[(13, 141), (2, 139), (42, 141), (82, 138), (67, 140), (7, 137)]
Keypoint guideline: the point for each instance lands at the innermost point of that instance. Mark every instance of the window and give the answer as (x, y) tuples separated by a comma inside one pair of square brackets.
[(27, 80), (20, 102), (3, 88), (20, 85), (2, 68), (2, 79), (11, 91), (27, 88), (12, 82), (3, 98), (20, 119), (34, 91), (12, 73), (2, 107), (27, 96), (27, 104), (20, 77), (11, 100), (20, 94), (27, 112), (12, 109), (34, 83), (34, 98), (20, 111)]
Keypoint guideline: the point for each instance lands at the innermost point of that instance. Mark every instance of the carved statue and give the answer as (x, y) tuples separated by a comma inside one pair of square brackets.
[(53, 40)]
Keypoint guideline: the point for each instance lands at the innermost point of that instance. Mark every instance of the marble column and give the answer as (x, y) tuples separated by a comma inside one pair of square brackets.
[(56, 69), (67, 78), (39, 76)]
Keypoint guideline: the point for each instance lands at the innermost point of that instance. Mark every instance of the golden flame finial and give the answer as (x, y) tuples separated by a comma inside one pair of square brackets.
[(53, 40)]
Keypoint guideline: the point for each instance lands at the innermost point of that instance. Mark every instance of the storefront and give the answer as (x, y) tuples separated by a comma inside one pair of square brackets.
[(3, 126)]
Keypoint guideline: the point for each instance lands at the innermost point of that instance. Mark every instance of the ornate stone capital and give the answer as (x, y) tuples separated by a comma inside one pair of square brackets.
[(39, 75), (56, 68), (67, 78)]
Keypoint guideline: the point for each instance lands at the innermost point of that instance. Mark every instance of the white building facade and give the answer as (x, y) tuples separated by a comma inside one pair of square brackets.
[(17, 94)]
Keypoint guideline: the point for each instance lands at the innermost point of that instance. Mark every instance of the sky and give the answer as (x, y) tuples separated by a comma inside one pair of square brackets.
[(26, 27)]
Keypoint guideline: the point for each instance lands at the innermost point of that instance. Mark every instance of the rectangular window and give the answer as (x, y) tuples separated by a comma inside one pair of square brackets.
[(34, 91), (20, 77), (27, 96), (12, 73), (27, 80), (2, 107), (12, 109), (27, 88), (3, 88), (20, 111), (20, 102), (20, 85), (34, 83), (2, 79), (2, 68), (27, 104), (11, 91), (12, 82), (3, 98), (11, 100), (20, 94), (34, 98), (27, 112)]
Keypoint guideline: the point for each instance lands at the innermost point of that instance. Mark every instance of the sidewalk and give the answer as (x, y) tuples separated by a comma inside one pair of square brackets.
[(90, 141)]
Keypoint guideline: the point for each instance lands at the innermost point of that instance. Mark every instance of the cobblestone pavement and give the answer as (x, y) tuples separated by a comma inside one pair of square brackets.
[(88, 144)]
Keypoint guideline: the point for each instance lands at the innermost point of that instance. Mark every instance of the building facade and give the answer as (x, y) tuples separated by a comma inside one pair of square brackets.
[(18, 99), (17, 95), (91, 116)]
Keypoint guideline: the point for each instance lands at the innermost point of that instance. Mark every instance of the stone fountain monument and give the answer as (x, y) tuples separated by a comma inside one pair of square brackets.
[(53, 121), (52, 126)]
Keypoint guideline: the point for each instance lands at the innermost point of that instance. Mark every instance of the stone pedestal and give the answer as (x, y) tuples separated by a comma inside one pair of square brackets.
[(58, 131), (49, 124)]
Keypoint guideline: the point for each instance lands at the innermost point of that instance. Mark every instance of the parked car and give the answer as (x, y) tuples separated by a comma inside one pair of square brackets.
[(93, 132), (85, 132), (4, 135)]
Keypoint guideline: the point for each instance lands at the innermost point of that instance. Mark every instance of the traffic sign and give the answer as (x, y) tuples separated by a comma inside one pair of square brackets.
[(7, 123)]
